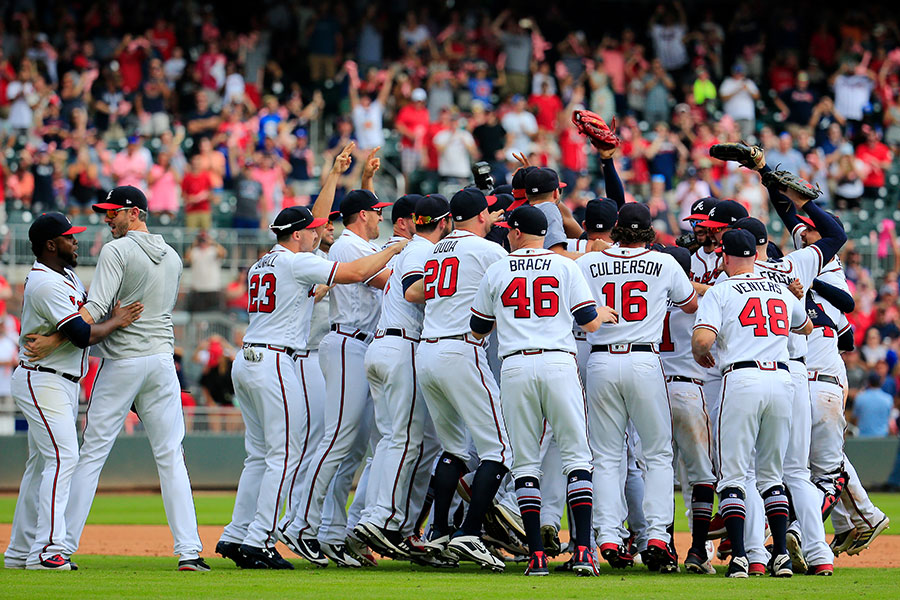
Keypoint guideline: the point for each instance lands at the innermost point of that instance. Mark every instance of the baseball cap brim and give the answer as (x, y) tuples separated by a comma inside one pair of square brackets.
[(317, 223), (503, 224), (382, 204), (107, 206), (491, 200), (519, 202), (696, 217), (712, 224), (334, 215), (806, 221), (74, 229)]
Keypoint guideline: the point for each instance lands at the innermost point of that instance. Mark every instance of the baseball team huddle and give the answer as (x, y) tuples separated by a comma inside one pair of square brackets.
[(494, 366)]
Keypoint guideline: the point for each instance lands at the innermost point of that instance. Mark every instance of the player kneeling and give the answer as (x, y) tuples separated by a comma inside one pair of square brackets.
[(750, 317), (532, 296)]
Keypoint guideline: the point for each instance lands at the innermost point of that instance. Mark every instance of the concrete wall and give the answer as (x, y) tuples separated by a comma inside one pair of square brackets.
[(215, 461)]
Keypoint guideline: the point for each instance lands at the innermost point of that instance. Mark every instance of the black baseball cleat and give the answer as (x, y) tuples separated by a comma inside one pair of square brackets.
[(232, 551), (738, 568), (537, 566), (616, 555), (264, 558), (193, 564), (385, 541), (780, 566), (310, 549), (57, 562), (663, 555), (698, 563), (566, 566)]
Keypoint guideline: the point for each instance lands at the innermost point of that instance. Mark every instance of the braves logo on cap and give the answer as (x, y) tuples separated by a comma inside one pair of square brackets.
[(109, 195), (699, 206)]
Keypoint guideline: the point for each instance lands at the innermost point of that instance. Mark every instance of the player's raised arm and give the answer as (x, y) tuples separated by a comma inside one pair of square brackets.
[(322, 207), (840, 299), (364, 268)]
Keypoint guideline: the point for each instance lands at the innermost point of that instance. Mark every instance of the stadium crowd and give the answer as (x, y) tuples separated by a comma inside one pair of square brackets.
[(202, 106)]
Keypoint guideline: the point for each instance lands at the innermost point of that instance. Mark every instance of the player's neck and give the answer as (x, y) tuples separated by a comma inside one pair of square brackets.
[(138, 226), (403, 233), (635, 245), (531, 245), (359, 228), (54, 263)]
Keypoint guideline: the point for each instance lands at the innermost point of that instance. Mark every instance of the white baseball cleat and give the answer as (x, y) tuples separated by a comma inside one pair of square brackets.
[(470, 547)]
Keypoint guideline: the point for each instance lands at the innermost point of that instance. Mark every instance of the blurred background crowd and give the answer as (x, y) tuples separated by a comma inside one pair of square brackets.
[(227, 113)]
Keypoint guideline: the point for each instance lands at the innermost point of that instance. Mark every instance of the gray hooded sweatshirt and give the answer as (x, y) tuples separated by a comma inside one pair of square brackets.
[(137, 267)]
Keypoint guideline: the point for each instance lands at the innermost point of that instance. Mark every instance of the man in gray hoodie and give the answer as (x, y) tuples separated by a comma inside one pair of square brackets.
[(138, 369)]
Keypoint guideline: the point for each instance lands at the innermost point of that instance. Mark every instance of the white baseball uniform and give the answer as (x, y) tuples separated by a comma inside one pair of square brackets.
[(138, 369), (706, 267), (625, 379), (46, 391), (532, 295), (400, 413), (273, 400), (465, 397), (354, 313)]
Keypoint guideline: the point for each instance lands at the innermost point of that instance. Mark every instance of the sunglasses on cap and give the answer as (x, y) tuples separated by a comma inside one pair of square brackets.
[(425, 219), (374, 210)]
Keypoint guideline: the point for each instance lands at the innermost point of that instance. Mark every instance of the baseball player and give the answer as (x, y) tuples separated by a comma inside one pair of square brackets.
[(690, 424), (463, 400), (46, 391), (138, 370), (400, 413), (625, 378), (523, 293), (750, 317), (354, 313), (282, 291)]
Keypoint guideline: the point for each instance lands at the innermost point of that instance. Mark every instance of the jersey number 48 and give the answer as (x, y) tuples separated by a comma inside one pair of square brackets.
[(775, 314)]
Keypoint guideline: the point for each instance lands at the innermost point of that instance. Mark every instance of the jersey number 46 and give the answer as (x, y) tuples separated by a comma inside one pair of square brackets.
[(543, 296)]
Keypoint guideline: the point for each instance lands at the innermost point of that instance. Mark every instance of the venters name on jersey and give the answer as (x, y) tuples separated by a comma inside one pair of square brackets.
[(626, 267), (747, 287)]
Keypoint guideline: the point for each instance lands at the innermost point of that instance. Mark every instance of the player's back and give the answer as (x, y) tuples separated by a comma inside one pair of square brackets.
[(396, 311), (638, 283), (532, 293), (281, 291), (451, 278), (752, 316)]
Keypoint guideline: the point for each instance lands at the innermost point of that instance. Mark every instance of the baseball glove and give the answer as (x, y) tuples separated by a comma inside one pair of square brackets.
[(751, 157), (786, 179), (593, 127)]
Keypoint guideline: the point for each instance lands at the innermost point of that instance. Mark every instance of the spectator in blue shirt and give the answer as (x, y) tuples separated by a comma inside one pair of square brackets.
[(872, 409)]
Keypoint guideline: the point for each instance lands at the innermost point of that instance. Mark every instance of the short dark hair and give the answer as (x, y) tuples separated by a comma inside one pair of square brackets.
[(629, 236), (350, 219), (283, 237)]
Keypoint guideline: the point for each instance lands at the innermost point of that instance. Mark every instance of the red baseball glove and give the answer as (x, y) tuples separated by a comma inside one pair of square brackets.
[(593, 127)]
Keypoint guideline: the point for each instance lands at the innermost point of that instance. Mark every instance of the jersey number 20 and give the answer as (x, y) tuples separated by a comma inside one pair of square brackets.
[(544, 297), (440, 277), (266, 303)]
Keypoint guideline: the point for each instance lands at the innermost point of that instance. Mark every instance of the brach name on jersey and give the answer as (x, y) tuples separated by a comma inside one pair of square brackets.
[(747, 287), (625, 267), (529, 264)]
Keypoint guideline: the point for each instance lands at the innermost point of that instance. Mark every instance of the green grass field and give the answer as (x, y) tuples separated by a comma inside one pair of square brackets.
[(141, 577)]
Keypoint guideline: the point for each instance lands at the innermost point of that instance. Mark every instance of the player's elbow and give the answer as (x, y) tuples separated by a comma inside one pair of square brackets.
[(691, 307), (349, 273), (806, 329), (592, 326)]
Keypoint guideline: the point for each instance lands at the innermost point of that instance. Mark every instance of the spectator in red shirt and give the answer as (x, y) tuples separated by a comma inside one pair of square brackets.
[(548, 106), (162, 38), (412, 123), (877, 158), (131, 54), (211, 65), (197, 187)]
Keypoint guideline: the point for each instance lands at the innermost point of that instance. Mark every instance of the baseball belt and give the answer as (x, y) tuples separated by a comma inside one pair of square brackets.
[(294, 354), (533, 352), (762, 365), (396, 332), (816, 376), (463, 337), (622, 348), (71, 378), (356, 334), (682, 379)]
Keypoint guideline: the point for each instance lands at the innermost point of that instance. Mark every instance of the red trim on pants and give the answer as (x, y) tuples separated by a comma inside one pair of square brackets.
[(56, 474), (287, 446), (493, 410)]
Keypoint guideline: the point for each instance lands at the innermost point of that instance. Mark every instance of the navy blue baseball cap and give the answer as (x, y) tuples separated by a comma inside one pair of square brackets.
[(681, 255), (600, 214), (123, 196), (518, 182), (505, 188), (724, 214), (634, 216), (542, 181), (359, 200), (500, 201), (467, 203), (295, 218), (404, 207), (527, 219), (700, 209), (754, 226), (431, 208), (738, 242), (49, 226), (334, 215)]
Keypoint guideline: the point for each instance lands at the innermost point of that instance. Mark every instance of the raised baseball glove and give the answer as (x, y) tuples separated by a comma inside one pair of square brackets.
[(592, 126), (751, 157), (786, 179)]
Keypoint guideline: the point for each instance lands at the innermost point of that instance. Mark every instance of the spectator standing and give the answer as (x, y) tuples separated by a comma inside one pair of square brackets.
[(131, 166), (85, 182), (787, 156), (203, 121), (325, 41), (515, 37), (412, 124), (455, 147), (739, 96), (269, 170), (163, 183), (688, 191), (368, 112), (798, 102), (520, 125), (20, 93), (847, 175), (205, 259), (668, 27), (196, 189), (151, 101), (876, 157), (853, 87), (658, 86), (548, 106), (872, 409), (43, 170)]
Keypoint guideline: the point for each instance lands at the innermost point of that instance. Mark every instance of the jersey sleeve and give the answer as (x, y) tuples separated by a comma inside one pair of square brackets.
[(807, 264), (56, 303), (709, 313), (413, 263), (798, 313), (106, 282), (309, 269), (483, 305), (681, 291), (580, 295), (555, 232)]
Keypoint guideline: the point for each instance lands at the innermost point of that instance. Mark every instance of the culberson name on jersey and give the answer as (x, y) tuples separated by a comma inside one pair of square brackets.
[(529, 264), (626, 267)]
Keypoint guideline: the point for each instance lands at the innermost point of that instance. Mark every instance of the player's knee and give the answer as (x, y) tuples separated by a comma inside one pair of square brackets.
[(454, 461), (703, 492), (494, 468)]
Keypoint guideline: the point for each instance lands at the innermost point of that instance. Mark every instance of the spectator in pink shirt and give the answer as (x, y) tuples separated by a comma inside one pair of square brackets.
[(269, 170), (131, 166), (163, 181)]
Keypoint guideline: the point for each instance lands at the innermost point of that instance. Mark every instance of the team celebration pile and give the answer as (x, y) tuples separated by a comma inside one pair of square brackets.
[(499, 367)]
